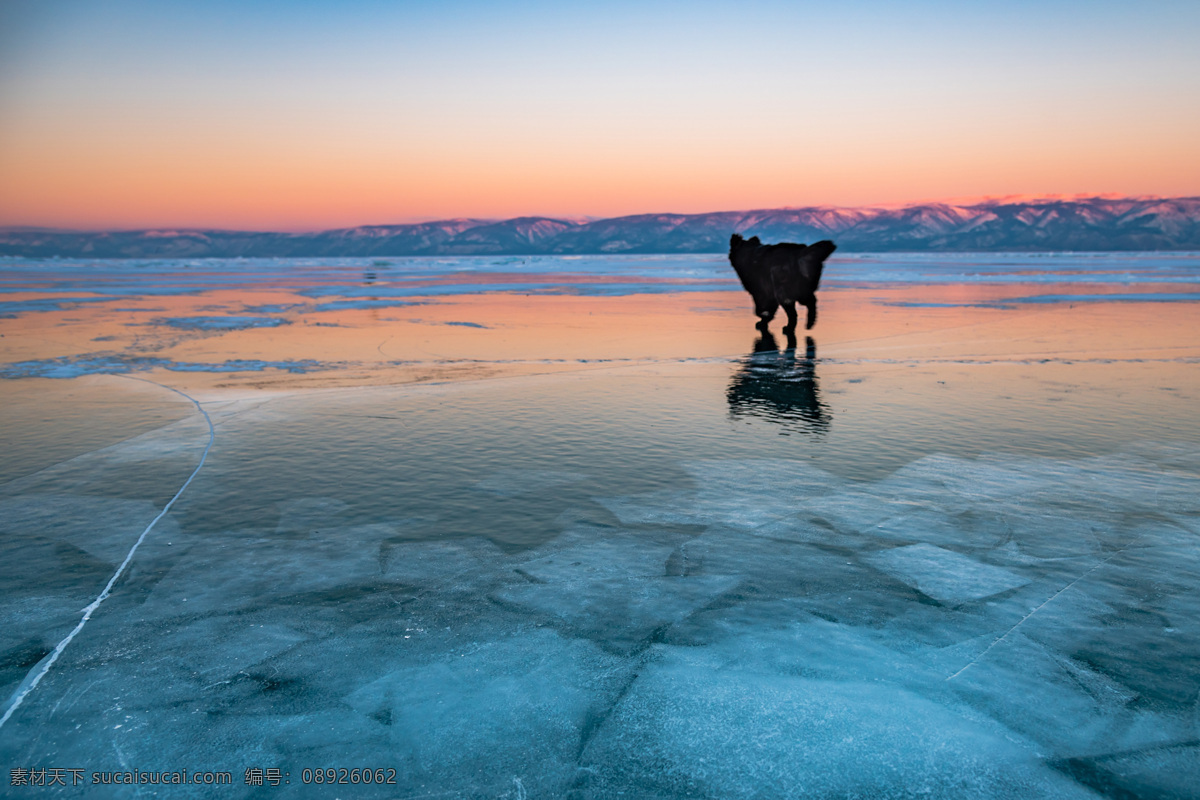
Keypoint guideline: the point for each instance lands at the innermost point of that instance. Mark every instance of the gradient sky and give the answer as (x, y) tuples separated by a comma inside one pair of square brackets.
[(300, 115)]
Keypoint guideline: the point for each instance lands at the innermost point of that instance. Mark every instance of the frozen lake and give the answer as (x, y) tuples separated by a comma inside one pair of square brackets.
[(571, 527)]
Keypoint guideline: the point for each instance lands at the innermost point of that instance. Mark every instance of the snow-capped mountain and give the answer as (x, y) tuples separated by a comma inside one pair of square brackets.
[(1081, 224)]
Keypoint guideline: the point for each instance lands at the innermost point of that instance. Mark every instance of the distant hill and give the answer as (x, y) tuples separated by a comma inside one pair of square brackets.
[(1087, 224)]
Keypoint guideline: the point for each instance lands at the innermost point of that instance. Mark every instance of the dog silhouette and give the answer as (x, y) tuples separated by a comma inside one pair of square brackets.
[(781, 274)]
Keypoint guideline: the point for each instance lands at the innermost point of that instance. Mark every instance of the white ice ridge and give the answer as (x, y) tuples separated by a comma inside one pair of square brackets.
[(38, 672)]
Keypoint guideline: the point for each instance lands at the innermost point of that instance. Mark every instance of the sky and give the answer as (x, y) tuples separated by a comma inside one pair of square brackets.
[(307, 114)]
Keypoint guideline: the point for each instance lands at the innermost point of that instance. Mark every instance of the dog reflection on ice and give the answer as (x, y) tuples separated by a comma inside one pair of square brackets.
[(777, 386)]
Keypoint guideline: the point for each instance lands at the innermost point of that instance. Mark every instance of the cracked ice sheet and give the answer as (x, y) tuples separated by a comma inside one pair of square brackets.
[(167, 454), (250, 568), (103, 527), (1059, 704), (1149, 639), (784, 637), (976, 530), (944, 575), (817, 652), (59, 551), (1113, 484), (1167, 771), (1123, 482), (1064, 704), (226, 684), (984, 477), (772, 568), (744, 493), (520, 707), (693, 725), (244, 643), (952, 501), (615, 592)]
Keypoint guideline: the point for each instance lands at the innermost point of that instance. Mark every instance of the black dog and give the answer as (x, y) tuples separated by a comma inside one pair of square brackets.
[(780, 275)]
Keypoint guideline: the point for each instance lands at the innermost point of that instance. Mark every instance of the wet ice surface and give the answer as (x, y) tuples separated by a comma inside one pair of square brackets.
[(539, 591), (769, 575)]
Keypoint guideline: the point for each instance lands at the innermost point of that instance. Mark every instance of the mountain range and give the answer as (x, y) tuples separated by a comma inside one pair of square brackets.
[(1092, 224)]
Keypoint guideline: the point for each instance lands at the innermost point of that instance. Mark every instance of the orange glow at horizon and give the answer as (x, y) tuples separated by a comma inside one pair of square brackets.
[(181, 183)]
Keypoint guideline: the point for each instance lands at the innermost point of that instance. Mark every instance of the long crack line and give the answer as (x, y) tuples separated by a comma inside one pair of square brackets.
[(39, 671)]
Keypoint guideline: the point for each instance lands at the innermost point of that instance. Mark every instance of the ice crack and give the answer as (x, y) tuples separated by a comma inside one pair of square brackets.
[(39, 671)]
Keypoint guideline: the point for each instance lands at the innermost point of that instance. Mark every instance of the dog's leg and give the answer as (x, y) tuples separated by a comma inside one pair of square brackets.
[(790, 309), (765, 313), (812, 314)]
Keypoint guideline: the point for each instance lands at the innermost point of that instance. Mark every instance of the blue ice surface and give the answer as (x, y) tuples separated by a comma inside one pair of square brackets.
[(914, 304), (557, 286), (343, 277), (230, 323), (248, 365), (275, 308), (467, 324), (351, 305), (11, 308), (943, 268), (1123, 297), (74, 367), (1132, 297)]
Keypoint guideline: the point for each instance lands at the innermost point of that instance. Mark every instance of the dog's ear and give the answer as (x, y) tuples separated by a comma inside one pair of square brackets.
[(735, 239), (754, 240)]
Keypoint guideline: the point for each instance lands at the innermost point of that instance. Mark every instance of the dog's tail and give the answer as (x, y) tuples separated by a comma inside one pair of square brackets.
[(816, 254)]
